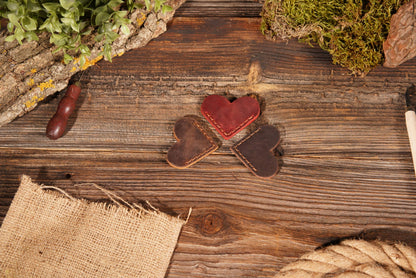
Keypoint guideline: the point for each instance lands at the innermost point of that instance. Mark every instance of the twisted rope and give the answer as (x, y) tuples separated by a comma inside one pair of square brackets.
[(355, 259)]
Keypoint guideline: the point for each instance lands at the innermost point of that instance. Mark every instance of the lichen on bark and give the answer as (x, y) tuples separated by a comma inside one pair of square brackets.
[(32, 71)]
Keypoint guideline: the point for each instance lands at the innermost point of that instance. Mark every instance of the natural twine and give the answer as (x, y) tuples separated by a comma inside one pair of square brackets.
[(355, 258)]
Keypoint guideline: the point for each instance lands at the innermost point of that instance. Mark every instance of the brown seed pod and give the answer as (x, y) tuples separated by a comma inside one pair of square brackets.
[(57, 124)]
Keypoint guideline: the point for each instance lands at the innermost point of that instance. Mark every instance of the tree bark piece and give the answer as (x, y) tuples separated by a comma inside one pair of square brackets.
[(30, 72), (400, 45)]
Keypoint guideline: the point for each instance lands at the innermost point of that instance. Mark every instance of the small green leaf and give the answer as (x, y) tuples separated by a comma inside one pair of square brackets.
[(98, 3), (58, 39), (84, 49), (29, 23), (107, 27), (70, 22), (67, 4), (114, 3), (166, 9), (59, 49), (46, 25), (56, 25), (87, 32), (99, 37), (148, 5), (33, 6), (12, 5), (73, 42), (111, 36), (83, 25), (100, 9), (82, 60), (101, 18), (19, 34), (13, 19), (107, 52), (137, 6), (31, 36), (122, 21), (21, 11), (9, 38), (120, 14), (10, 27), (67, 58), (158, 4), (51, 7), (125, 29)]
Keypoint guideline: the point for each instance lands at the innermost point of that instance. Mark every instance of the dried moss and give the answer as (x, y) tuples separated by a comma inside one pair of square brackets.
[(352, 31)]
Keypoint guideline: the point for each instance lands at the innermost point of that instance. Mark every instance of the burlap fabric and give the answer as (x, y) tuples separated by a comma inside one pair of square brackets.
[(46, 234)]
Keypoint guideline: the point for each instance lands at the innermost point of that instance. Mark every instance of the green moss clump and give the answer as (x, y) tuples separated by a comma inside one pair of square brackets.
[(352, 31)]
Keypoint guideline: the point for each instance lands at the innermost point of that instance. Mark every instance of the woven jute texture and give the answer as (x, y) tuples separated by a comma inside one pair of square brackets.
[(355, 258), (46, 234)]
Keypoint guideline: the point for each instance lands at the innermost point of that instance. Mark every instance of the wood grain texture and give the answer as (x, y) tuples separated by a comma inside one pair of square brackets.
[(346, 164), (223, 8)]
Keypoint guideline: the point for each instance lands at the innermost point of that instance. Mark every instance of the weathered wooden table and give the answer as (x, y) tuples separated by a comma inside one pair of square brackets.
[(346, 164)]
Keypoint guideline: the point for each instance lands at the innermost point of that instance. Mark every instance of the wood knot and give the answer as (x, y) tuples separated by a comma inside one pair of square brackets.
[(254, 75), (212, 223)]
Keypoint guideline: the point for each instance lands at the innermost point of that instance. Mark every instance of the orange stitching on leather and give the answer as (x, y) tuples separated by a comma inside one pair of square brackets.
[(241, 155), (212, 148), (220, 127)]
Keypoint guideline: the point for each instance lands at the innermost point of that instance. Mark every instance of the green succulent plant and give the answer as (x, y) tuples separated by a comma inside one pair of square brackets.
[(69, 21)]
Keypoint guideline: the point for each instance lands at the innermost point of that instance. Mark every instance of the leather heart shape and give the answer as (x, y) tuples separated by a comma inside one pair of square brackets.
[(194, 143), (256, 151), (227, 117)]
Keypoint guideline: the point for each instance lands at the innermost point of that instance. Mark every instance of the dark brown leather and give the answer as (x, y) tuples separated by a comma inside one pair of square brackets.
[(256, 151), (194, 143), (227, 117)]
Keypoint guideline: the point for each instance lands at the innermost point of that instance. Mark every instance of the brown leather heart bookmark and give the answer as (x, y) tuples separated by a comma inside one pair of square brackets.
[(194, 143), (256, 151)]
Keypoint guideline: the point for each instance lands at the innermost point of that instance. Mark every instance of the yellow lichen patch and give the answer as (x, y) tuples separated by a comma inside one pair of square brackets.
[(118, 54), (44, 85), (31, 82), (88, 63), (35, 99), (140, 19), (33, 71), (74, 69)]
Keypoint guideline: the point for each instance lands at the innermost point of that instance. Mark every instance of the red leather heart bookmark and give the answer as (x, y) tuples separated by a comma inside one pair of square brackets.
[(256, 151), (194, 143), (227, 117)]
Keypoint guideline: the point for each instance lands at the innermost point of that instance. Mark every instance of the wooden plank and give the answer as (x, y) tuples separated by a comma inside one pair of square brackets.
[(346, 166), (220, 8), (240, 226), (174, 73)]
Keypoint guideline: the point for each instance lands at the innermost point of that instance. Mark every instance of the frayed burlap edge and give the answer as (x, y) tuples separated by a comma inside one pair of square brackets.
[(116, 208), (24, 232)]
